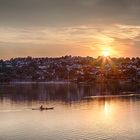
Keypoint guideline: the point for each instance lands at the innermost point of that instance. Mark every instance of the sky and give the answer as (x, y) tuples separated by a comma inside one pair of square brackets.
[(52, 28)]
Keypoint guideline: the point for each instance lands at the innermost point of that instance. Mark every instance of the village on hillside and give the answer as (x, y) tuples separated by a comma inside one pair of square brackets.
[(70, 69)]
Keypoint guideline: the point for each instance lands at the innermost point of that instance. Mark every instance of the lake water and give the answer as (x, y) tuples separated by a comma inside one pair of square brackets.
[(81, 112)]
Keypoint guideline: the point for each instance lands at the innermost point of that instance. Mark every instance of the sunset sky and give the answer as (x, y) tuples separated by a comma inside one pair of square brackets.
[(53, 28)]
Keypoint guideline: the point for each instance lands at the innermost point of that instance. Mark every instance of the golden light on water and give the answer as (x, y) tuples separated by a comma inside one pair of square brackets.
[(106, 108), (110, 112), (107, 112)]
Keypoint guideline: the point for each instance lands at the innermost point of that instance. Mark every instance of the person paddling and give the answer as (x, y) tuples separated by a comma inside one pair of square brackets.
[(41, 107)]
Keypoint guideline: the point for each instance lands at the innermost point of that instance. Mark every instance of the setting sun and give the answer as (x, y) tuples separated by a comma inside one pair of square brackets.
[(105, 53)]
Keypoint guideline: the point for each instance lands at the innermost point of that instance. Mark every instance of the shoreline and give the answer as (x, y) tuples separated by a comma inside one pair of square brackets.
[(36, 82), (65, 82), (71, 82)]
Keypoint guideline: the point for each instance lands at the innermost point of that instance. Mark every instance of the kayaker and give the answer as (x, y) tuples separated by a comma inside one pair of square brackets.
[(41, 107)]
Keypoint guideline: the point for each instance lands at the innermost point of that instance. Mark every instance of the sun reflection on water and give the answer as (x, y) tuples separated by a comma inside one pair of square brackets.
[(107, 113), (106, 108)]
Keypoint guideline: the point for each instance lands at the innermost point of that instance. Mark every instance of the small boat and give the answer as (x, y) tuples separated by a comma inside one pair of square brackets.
[(47, 108)]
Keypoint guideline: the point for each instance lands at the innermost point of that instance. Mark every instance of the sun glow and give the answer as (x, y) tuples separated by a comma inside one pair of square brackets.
[(106, 52), (106, 45)]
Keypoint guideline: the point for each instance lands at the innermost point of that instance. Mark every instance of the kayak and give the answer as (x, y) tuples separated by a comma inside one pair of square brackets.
[(47, 108)]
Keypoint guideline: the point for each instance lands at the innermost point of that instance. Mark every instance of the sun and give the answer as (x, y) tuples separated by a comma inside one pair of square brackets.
[(106, 53)]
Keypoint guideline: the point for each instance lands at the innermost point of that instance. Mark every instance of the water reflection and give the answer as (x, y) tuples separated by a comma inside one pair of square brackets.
[(106, 108), (74, 116), (62, 92)]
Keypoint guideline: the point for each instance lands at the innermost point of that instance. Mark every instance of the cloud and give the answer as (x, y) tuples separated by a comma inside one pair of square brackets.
[(71, 34), (68, 12), (89, 39), (84, 24)]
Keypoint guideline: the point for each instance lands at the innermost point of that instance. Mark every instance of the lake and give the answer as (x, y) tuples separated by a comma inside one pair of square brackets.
[(81, 112)]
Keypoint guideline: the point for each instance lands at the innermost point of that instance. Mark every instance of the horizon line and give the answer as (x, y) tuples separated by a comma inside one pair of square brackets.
[(68, 56)]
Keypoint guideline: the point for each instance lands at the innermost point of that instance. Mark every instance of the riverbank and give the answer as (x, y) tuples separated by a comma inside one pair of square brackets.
[(67, 82)]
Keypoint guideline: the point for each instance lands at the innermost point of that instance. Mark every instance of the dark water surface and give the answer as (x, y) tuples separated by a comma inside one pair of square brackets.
[(81, 112)]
